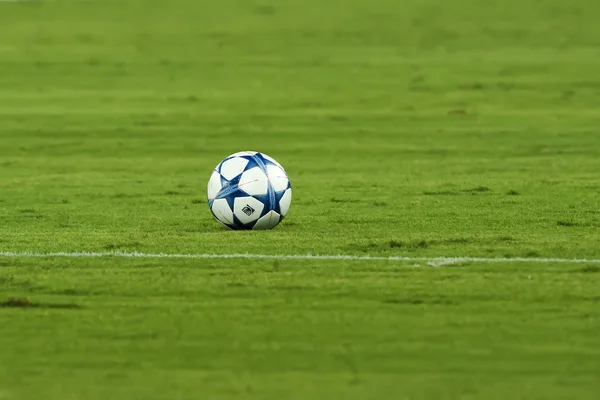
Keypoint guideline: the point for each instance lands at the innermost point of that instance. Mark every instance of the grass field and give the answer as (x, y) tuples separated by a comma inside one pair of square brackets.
[(421, 128)]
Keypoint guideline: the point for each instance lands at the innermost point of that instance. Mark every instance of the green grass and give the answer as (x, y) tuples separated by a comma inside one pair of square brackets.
[(419, 128)]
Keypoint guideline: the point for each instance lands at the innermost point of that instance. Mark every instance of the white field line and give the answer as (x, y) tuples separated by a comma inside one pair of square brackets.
[(433, 261)]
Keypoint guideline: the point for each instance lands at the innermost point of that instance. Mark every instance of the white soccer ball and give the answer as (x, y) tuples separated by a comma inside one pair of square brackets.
[(249, 190)]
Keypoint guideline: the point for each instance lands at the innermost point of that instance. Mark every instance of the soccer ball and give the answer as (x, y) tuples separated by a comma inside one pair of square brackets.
[(249, 190)]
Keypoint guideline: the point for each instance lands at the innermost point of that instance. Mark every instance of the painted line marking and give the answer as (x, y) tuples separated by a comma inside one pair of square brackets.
[(433, 261)]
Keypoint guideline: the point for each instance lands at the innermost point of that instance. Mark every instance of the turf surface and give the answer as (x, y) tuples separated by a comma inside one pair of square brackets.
[(414, 128)]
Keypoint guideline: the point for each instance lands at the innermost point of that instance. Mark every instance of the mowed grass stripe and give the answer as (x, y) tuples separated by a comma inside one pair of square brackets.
[(437, 261)]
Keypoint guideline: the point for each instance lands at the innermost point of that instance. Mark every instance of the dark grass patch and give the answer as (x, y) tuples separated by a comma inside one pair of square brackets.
[(221, 273), (512, 192), (65, 201), (120, 246), (238, 284), (460, 112), (173, 193), (415, 301), (364, 247), (471, 86), (35, 216), (404, 301), (478, 189), (589, 269), (27, 211), (453, 241), (437, 242), (566, 223), (198, 201), (531, 254), (415, 244), (183, 99), (291, 288), (441, 193), (423, 244), (24, 302), (578, 298), (475, 190), (126, 196), (454, 277), (380, 204), (336, 200), (419, 244)]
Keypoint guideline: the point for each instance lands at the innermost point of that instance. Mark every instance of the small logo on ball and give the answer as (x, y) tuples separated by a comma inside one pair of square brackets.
[(248, 210)]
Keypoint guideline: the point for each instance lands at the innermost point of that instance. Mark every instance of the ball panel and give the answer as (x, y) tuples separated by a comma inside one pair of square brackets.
[(222, 212), (243, 153), (268, 200), (239, 225), (278, 178), (214, 185), (254, 182), (271, 159), (247, 209), (267, 221), (233, 167), (285, 202)]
